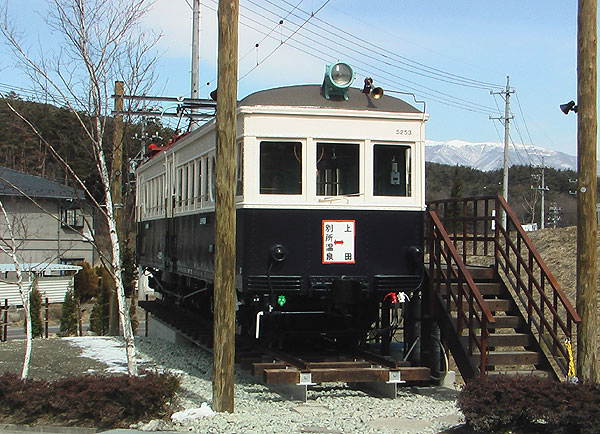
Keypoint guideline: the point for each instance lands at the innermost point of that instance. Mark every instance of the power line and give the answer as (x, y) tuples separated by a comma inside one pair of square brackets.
[(459, 80), (287, 39), (368, 67)]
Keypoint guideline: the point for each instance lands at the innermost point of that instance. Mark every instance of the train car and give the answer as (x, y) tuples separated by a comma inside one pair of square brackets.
[(329, 210)]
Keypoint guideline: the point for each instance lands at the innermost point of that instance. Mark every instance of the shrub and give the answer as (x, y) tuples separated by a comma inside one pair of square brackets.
[(99, 318), (540, 404), (129, 273), (85, 283), (103, 402), (69, 315), (35, 308)]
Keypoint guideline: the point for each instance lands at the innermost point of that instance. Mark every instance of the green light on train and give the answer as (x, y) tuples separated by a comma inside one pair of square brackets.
[(281, 300)]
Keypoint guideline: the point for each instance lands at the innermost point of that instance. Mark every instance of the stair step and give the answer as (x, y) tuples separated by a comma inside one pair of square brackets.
[(521, 373), (510, 340), (507, 321), (510, 358), (495, 305), (505, 340), (481, 273), (485, 288), (502, 322)]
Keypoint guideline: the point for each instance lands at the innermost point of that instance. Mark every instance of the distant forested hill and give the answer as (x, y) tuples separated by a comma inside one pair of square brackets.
[(22, 150), (525, 201)]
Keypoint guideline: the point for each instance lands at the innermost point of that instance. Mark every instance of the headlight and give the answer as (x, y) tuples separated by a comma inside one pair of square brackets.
[(338, 77)]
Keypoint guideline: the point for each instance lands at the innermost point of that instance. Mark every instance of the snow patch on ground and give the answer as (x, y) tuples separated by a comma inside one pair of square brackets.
[(193, 413), (108, 350)]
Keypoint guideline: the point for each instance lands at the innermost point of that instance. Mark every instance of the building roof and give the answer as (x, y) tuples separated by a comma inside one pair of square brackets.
[(311, 95), (38, 268), (33, 186)]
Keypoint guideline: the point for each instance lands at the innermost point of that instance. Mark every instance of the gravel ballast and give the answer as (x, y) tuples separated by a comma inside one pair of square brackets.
[(330, 408)]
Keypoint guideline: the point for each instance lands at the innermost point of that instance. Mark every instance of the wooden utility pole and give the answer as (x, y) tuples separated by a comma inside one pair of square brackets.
[(224, 291), (587, 226), (507, 117), (195, 58), (116, 189)]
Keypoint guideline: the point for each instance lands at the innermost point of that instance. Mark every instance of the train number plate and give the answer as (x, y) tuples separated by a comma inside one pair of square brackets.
[(339, 241)]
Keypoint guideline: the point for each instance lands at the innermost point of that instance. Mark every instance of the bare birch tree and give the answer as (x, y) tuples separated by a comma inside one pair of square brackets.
[(101, 42), (9, 246)]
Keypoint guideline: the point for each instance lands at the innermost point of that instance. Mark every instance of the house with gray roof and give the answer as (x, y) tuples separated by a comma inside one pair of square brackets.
[(52, 227)]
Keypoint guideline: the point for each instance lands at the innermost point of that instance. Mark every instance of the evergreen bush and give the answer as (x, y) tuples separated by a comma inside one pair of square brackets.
[(85, 283), (35, 308), (542, 405), (69, 315), (93, 401), (99, 318)]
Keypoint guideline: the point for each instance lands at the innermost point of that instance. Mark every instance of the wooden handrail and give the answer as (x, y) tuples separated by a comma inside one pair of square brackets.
[(468, 291), (540, 262), (538, 292), (463, 269)]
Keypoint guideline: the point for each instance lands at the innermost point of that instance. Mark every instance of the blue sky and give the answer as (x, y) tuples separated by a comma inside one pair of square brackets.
[(533, 42)]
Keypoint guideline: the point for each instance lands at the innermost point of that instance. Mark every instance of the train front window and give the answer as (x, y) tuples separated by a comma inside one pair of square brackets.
[(391, 170), (337, 169), (280, 167)]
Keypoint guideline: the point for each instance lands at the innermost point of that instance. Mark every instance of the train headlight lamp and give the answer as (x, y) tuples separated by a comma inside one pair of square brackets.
[(338, 78), (278, 253)]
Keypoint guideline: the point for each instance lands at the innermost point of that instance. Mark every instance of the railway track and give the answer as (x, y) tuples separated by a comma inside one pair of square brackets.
[(292, 372)]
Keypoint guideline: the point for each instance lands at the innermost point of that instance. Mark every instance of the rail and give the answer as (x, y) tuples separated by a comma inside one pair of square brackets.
[(449, 278), (476, 226)]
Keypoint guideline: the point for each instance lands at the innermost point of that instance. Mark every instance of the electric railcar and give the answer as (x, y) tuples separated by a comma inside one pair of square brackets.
[(329, 210)]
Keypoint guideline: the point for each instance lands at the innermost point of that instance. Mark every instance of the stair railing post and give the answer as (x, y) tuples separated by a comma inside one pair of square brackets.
[(459, 306), (464, 222), (5, 320), (497, 223), (46, 317), (483, 349)]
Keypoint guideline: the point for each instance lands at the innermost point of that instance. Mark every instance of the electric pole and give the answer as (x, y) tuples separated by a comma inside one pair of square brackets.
[(224, 290), (587, 226), (507, 117), (543, 189), (195, 58), (554, 214), (116, 189)]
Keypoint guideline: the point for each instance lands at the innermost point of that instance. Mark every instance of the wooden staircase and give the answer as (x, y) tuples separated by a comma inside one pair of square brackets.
[(509, 317), (512, 348)]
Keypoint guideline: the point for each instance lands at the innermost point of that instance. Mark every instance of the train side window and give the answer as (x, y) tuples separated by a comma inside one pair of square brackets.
[(185, 188), (213, 175), (391, 170), (280, 167), (206, 179), (200, 162), (337, 169), (239, 190), (179, 187), (192, 185)]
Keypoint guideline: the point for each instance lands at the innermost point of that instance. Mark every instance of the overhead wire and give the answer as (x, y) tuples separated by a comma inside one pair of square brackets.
[(287, 39), (278, 25), (429, 92), (535, 149), (310, 50), (369, 55), (459, 80)]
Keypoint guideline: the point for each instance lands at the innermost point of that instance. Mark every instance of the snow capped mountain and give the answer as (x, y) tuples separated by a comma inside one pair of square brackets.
[(490, 155)]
